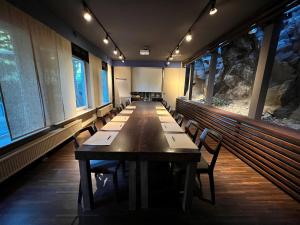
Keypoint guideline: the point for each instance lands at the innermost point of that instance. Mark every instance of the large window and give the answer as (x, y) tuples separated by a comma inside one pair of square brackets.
[(201, 73), (80, 83), (282, 105), (105, 92), (236, 68), (4, 131)]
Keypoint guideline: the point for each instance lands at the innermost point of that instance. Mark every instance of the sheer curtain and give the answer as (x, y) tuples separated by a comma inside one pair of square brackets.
[(46, 58), (18, 77), (93, 80)]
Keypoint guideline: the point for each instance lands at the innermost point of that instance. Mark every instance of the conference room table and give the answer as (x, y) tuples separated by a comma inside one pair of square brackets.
[(140, 140)]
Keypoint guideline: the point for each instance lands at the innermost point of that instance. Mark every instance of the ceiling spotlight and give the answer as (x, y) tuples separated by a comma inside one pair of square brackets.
[(120, 57), (87, 16), (188, 37), (115, 51), (105, 40), (168, 63), (213, 10), (123, 61), (171, 58), (177, 51)]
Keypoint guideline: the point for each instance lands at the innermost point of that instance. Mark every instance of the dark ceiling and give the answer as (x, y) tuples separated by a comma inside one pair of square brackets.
[(158, 24)]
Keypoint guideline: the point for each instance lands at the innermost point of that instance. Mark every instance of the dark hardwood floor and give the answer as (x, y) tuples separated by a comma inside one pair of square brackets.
[(46, 194)]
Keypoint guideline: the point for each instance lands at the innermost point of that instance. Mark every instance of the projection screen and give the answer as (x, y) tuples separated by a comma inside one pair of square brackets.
[(146, 79)]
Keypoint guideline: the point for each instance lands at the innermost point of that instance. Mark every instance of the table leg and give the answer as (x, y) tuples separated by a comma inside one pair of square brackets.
[(144, 184), (86, 184), (132, 185), (188, 186)]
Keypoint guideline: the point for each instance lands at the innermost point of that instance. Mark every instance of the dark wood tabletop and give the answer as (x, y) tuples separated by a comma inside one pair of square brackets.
[(141, 138)]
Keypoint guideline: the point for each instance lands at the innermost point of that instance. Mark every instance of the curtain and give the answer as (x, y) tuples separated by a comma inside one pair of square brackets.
[(18, 79), (109, 78), (94, 80), (46, 57)]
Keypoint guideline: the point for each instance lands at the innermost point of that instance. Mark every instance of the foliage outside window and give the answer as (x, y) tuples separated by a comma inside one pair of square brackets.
[(80, 83), (105, 92), (282, 105), (4, 131), (201, 73), (236, 68)]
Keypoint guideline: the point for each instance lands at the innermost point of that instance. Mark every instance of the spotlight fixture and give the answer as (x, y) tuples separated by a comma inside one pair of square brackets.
[(177, 51), (213, 10), (120, 57), (188, 36), (87, 16), (171, 58), (123, 61), (105, 40), (168, 62), (115, 52)]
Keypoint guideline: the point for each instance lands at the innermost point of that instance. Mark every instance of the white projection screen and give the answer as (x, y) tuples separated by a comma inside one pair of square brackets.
[(146, 79)]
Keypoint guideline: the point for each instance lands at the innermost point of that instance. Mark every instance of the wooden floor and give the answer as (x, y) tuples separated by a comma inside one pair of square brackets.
[(46, 193)]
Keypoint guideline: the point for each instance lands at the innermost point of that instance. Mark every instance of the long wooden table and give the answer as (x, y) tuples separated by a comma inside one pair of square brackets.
[(140, 140)]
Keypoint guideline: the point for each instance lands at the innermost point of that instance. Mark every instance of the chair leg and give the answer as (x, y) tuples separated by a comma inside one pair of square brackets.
[(200, 185), (79, 194), (212, 187), (116, 185)]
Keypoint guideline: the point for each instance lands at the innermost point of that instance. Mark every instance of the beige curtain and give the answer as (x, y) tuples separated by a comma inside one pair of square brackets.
[(18, 79), (93, 80), (109, 80), (46, 57)]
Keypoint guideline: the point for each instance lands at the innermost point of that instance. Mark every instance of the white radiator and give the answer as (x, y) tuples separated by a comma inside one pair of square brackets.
[(33, 150), (105, 110)]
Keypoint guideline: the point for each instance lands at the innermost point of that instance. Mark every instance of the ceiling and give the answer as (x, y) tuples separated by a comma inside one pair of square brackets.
[(158, 24)]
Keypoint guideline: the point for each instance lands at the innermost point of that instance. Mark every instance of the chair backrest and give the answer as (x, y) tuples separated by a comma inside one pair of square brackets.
[(179, 119), (123, 106), (172, 112), (216, 149), (103, 119), (91, 129), (119, 108), (164, 103), (168, 108), (127, 102), (192, 129)]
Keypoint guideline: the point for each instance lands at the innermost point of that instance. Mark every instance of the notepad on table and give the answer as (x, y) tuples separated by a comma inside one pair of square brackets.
[(166, 119), (131, 107), (102, 138), (113, 126), (120, 119), (162, 112), (180, 141), (171, 127), (126, 111)]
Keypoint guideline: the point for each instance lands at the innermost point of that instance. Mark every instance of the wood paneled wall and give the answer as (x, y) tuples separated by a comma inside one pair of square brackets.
[(272, 150)]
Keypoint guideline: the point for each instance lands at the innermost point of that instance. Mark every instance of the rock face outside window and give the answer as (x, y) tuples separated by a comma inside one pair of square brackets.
[(282, 105)]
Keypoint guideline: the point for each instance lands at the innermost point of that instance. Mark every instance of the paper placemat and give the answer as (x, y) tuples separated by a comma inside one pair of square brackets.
[(166, 119), (180, 141), (120, 119), (113, 126), (162, 112), (126, 111), (102, 138), (171, 127), (160, 107), (131, 107)]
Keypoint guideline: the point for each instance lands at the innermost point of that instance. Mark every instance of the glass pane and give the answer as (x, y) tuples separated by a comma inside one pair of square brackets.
[(282, 105), (201, 73), (236, 68), (80, 83), (105, 93), (4, 131)]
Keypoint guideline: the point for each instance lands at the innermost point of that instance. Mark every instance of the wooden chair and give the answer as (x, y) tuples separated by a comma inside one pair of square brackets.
[(103, 119), (179, 119), (164, 103), (127, 102), (168, 108), (98, 166), (123, 106), (192, 129), (113, 112), (119, 108), (203, 166), (172, 112)]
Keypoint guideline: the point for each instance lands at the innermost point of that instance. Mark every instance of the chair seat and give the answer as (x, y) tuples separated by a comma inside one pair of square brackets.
[(102, 164), (202, 166)]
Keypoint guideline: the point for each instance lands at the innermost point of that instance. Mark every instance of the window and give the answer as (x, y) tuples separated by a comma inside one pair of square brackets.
[(80, 83), (4, 131), (282, 104), (201, 72), (236, 69), (104, 82)]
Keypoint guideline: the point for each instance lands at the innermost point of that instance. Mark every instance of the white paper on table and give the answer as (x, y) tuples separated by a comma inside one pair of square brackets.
[(160, 107), (162, 112), (171, 127), (180, 141), (166, 119), (120, 119), (131, 107), (102, 138), (113, 126), (126, 111)]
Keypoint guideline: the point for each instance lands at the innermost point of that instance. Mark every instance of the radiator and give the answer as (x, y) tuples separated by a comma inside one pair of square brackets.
[(33, 150), (105, 110)]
